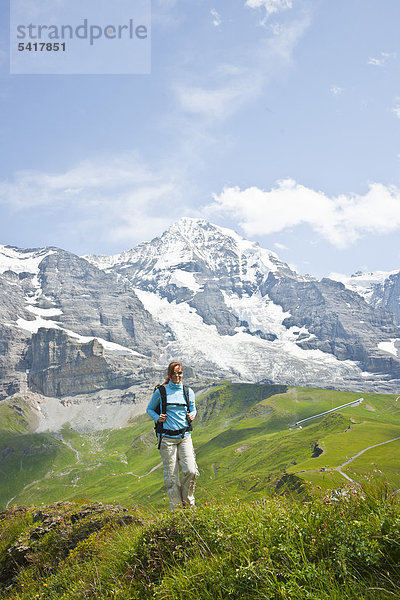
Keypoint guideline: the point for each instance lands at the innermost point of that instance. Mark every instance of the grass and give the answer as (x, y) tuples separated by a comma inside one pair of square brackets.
[(244, 439), (326, 547)]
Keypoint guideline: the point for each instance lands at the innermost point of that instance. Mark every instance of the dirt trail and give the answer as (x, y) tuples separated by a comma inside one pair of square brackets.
[(340, 467)]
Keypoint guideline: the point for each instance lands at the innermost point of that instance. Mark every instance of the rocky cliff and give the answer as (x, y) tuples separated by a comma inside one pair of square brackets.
[(69, 329)]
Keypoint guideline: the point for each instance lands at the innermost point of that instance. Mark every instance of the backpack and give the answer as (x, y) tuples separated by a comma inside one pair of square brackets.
[(162, 410)]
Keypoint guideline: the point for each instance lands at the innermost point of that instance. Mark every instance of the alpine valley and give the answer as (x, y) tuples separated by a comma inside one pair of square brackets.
[(84, 339)]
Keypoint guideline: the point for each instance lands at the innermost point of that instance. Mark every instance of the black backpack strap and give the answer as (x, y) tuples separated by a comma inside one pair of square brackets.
[(186, 394), (162, 407), (161, 410), (163, 395)]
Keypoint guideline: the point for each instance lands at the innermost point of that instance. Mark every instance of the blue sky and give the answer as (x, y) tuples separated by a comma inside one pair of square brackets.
[(279, 118)]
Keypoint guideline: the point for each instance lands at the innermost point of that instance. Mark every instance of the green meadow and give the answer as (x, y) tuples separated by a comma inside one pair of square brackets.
[(246, 444)]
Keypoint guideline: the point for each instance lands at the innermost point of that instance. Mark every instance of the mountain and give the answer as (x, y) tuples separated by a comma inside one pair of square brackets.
[(69, 330), (84, 339), (379, 288), (235, 310)]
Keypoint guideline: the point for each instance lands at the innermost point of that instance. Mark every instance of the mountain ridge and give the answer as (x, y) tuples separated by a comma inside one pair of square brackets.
[(227, 307), (249, 289)]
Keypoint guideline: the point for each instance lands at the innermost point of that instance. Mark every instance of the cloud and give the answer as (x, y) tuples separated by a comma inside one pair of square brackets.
[(216, 18), (34, 188), (119, 199), (336, 90), (231, 87), (280, 246), (212, 103), (396, 109), (271, 6), (382, 60), (341, 220)]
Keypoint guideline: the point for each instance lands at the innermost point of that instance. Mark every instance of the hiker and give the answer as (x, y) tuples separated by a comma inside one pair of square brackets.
[(173, 426)]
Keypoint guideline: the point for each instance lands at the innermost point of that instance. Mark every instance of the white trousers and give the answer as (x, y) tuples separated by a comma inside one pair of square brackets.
[(175, 453)]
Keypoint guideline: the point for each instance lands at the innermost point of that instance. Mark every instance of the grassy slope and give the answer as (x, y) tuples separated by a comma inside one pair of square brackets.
[(320, 549), (25, 456), (244, 441)]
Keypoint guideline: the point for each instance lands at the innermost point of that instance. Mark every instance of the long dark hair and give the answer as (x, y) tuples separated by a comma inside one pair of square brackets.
[(170, 369)]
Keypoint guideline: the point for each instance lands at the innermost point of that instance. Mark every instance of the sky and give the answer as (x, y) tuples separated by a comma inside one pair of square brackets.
[(277, 118)]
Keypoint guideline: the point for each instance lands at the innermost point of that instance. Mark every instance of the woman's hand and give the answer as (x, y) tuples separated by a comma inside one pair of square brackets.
[(161, 418), (190, 417)]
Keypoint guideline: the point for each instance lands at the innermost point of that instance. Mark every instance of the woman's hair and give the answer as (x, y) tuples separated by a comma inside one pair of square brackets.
[(171, 368)]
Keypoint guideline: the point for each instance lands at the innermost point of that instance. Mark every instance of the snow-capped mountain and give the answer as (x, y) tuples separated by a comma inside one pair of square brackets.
[(101, 329), (68, 329), (233, 308), (379, 288), (192, 251)]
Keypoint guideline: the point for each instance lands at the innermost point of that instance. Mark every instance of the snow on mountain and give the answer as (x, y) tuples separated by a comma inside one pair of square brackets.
[(44, 312), (67, 328), (184, 279), (381, 289), (35, 325), (235, 309), (21, 261), (364, 284), (193, 242), (390, 346), (201, 293), (242, 356), (262, 315)]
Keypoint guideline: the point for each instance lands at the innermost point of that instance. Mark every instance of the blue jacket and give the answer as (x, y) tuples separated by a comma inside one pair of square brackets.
[(176, 413)]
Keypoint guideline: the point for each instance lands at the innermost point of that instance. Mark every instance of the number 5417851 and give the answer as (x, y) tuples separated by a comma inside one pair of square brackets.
[(42, 47)]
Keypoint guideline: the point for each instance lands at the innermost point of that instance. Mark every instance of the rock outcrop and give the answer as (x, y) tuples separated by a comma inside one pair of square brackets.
[(62, 366), (67, 523)]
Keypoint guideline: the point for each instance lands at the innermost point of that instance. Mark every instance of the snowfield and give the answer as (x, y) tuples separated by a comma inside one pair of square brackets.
[(243, 355)]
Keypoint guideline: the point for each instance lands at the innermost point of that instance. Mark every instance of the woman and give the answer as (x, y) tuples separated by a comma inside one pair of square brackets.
[(176, 448)]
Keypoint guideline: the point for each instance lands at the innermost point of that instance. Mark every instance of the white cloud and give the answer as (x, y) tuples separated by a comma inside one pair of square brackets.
[(280, 246), (233, 86), (216, 17), (341, 220), (336, 90), (209, 102), (34, 188), (119, 199), (396, 109), (382, 59), (271, 6), (375, 61)]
